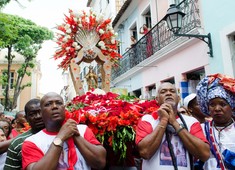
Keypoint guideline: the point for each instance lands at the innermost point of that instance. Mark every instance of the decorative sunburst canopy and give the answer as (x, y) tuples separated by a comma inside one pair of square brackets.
[(86, 31)]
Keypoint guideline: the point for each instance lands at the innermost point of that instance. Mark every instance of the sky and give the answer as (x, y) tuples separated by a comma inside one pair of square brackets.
[(47, 13)]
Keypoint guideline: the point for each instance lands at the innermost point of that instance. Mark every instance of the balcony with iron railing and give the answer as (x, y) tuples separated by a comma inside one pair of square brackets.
[(157, 38)]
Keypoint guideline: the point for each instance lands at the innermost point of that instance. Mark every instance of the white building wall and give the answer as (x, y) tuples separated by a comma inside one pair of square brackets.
[(227, 54), (169, 63), (173, 61)]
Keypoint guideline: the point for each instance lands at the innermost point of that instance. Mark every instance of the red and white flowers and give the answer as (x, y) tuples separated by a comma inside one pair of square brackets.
[(84, 30), (111, 118)]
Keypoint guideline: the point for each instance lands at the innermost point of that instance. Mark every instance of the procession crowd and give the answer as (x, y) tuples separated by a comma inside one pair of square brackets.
[(200, 135)]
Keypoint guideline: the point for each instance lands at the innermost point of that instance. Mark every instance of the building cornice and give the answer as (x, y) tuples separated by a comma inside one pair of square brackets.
[(13, 62), (120, 12)]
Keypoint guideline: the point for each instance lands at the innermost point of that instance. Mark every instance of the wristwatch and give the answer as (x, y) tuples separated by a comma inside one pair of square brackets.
[(180, 129), (58, 142)]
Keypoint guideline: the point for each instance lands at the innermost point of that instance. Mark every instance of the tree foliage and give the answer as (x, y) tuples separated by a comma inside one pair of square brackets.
[(24, 37), (3, 3)]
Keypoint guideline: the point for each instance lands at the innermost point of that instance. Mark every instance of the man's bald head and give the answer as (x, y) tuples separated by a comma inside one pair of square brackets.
[(53, 111), (50, 94)]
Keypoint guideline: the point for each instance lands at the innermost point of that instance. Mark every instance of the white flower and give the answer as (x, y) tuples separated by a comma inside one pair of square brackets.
[(101, 43), (99, 92), (65, 39), (116, 34), (113, 41), (87, 19), (68, 31), (78, 47), (96, 104), (103, 47), (67, 26), (67, 48), (68, 37), (59, 36), (80, 25), (74, 44), (142, 101), (109, 27), (75, 19), (101, 31), (112, 31)]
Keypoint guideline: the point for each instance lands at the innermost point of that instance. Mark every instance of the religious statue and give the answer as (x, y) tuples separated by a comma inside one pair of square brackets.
[(91, 79)]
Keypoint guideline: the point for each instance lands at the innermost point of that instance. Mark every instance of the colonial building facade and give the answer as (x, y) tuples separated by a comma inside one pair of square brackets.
[(159, 55), (29, 92)]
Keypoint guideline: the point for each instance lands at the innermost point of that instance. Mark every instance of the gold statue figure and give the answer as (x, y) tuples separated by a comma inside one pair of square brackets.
[(91, 79)]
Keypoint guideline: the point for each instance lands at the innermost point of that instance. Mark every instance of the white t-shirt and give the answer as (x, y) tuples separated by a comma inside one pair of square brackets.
[(161, 159), (36, 146), (2, 160)]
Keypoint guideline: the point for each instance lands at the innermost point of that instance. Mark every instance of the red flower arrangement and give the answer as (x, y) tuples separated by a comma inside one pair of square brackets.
[(112, 119), (85, 30)]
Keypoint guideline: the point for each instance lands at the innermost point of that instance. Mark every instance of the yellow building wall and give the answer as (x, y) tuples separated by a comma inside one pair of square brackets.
[(25, 95)]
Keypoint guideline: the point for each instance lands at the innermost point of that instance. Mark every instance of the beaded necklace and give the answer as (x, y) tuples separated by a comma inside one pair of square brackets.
[(215, 144)]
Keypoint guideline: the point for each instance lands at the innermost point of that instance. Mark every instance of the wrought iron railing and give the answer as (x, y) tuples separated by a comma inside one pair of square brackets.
[(157, 38)]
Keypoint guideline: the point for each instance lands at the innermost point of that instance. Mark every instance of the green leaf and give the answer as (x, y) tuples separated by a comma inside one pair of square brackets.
[(24, 37)]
